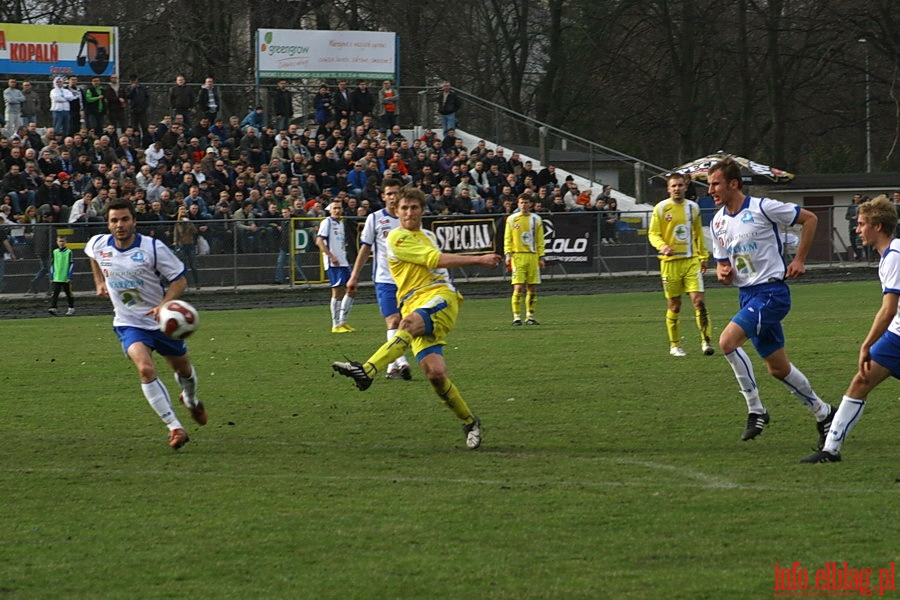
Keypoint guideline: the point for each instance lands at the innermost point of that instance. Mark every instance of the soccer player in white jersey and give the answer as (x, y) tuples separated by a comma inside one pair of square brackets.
[(373, 241), (332, 241), (747, 247), (879, 355), (129, 269)]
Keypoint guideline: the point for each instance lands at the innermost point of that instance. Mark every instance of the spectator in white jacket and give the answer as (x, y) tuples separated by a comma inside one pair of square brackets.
[(60, 97)]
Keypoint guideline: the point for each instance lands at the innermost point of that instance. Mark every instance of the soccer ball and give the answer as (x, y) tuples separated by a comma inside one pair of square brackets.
[(178, 319)]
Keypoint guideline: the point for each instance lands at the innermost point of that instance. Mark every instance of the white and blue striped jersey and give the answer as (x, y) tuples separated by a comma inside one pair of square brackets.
[(374, 234), (134, 276), (889, 273), (334, 234), (751, 239)]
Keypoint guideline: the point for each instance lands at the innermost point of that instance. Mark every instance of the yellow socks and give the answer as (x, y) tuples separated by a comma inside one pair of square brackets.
[(672, 328), (454, 401), (390, 351)]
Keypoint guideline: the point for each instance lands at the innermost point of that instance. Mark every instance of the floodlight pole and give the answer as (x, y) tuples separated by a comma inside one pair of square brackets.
[(863, 41)]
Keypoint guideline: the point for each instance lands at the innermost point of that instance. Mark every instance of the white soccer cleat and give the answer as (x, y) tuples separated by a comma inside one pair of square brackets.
[(707, 349), (677, 351), (473, 434)]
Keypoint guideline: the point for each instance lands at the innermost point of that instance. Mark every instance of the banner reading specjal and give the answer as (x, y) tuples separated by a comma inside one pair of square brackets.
[(51, 50), (299, 53)]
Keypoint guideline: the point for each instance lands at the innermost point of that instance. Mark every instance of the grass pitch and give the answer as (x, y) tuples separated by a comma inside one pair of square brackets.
[(609, 469)]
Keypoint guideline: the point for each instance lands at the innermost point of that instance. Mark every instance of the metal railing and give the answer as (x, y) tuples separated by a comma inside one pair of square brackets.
[(575, 248)]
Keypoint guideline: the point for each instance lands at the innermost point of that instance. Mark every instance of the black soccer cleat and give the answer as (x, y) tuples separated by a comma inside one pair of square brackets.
[(825, 425), (517, 322), (405, 373), (755, 424), (354, 371), (822, 456), (531, 322)]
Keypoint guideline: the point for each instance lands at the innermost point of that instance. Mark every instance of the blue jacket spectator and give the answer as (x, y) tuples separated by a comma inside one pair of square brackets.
[(255, 118)]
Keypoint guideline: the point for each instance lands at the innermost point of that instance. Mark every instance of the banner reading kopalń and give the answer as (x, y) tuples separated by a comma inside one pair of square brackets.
[(299, 53), (52, 50)]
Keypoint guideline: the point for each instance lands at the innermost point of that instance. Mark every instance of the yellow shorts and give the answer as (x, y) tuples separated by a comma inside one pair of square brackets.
[(681, 276), (525, 268), (439, 308)]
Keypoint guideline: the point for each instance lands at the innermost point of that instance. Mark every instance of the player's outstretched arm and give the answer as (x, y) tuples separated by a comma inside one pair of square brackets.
[(488, 261)]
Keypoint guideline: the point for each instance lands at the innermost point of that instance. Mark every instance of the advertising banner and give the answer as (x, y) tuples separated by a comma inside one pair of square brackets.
[(299, 53), (567, 237), (51, 50), (467, 236)]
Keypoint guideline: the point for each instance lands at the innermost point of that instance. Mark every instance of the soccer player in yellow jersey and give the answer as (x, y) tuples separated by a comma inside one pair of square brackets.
[(523, 246), (676, 231), (429, 304)]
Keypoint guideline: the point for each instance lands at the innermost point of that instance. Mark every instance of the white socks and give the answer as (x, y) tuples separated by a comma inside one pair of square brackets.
[(346, 305), (158, 397), (340, 310), (847, 415), (188, 385), (798, 385), (335, 312), (743, 371)]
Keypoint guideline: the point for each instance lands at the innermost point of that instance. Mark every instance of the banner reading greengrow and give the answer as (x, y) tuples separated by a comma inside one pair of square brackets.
[(298, 53), (53, 50)]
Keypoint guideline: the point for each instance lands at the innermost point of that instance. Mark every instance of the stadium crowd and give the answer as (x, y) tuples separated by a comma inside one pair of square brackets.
[(237, 178)]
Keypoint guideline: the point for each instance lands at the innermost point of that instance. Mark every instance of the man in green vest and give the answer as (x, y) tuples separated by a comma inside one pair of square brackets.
[(61, 275)]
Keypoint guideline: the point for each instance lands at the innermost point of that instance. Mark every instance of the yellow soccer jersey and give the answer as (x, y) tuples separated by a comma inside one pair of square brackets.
[(524, 233), (413, 258), (679, 226)]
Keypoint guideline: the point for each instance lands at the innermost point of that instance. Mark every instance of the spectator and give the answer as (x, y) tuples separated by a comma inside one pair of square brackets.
[(448, 105), (60, 101), (609, 222), (342, 102), (323, 105), (283, 106), (181, 99), (16, 187), (251, 144), (31, 107), (245, 224), (6, 249), (14, 99), (208, 100), (221, 232), (94, 107), (388, 105), (40, 243), (184, 235), (851, 215), (75, 107), (363, 102), (116, 99)]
